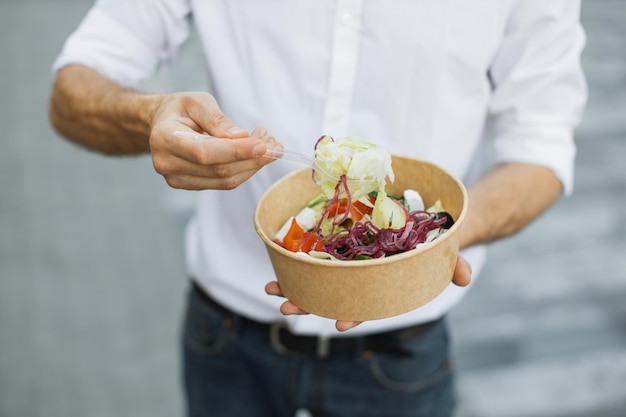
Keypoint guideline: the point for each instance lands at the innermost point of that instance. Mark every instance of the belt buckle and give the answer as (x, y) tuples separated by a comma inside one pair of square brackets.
[(322, 345)]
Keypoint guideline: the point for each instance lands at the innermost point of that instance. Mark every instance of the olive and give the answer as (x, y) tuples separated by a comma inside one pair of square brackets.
[(449, 220)]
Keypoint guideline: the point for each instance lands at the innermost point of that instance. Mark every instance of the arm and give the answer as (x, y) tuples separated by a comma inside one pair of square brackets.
[(97, 113), (506, 199), (539, 93)]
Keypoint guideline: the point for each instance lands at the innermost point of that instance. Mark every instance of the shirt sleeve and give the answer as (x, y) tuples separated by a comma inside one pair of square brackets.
[(127, 41), (539, 89)]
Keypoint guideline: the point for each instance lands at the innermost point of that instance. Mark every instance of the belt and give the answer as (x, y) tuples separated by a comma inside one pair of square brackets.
[(286, 342)]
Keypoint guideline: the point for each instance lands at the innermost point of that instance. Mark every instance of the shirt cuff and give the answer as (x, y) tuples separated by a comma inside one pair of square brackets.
[(552, 147), (104, 44)]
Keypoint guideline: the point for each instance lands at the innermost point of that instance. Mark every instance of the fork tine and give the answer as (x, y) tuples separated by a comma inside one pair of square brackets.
[(306, 160)]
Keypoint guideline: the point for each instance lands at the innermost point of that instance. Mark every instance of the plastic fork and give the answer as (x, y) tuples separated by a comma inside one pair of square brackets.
[(278, 154)]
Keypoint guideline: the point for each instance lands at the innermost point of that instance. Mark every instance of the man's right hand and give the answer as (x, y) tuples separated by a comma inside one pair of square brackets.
[(224, 162), (101, 115)]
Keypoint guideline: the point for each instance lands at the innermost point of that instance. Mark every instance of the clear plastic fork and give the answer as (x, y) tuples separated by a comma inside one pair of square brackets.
[(278, 154)]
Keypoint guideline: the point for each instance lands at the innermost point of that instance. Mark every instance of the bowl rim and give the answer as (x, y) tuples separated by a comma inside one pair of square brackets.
[(363, 262)]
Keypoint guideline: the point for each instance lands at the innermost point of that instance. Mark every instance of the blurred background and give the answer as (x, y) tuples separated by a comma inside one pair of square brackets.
[(91, 263)]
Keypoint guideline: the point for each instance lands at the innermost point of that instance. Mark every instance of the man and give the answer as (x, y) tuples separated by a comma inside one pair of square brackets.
[(442, 81)]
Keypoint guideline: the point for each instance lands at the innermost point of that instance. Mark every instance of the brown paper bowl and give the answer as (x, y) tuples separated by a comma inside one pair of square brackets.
[(372, 289)]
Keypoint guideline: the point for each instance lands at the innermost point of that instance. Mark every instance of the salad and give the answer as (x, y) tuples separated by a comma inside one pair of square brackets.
[(353, 217)]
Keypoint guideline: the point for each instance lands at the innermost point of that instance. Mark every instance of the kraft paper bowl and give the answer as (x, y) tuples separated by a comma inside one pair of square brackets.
[(360, 290)]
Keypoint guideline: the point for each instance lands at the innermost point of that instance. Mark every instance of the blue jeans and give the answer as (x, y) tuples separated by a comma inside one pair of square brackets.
[(233, 369)]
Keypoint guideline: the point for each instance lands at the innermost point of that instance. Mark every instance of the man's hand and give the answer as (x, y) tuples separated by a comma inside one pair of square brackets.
[(101, 115), (462, 277), (224, 162)]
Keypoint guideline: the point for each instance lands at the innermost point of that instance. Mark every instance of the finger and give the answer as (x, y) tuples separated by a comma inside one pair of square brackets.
[(207, 113), (194, 182), (206, 173), (273, 288), (167, 164), (212, 151), (462, 273), (342, 325), (216, 151), (288, 308)]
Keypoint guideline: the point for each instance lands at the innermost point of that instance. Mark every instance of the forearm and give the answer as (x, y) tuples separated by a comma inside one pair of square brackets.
[(99, 114), (506, 199)]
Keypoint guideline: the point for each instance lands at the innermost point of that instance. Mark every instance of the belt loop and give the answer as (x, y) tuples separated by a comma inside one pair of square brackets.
[(323, 347), (275, 329)]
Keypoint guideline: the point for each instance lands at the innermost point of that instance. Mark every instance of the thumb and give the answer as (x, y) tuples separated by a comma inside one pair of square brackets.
[(208, 115)]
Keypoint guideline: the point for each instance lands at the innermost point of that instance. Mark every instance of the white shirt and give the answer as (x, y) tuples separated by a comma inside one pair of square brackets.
[(440, 80)]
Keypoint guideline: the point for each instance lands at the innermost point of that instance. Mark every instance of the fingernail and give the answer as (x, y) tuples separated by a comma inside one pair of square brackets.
[(273, 150), (269, 140), (235, 130), (259, 149)]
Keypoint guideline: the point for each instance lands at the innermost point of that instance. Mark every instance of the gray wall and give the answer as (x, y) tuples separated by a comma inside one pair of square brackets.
[(91, 266)]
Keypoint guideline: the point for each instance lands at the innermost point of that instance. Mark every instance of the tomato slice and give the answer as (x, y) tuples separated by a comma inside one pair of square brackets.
[(359, 209), (338, 208), (319, 246), (308, 242), (294, 236)]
